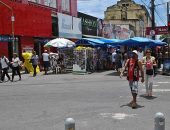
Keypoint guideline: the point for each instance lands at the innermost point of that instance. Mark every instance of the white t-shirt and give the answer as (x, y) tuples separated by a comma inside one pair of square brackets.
[(113, 56), (45, 56), (16, 62), (140, 55), (4, 62)]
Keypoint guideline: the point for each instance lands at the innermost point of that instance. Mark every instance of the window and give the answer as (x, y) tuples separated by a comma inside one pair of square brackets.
[(54, 26), (66, 5), (50, 3)]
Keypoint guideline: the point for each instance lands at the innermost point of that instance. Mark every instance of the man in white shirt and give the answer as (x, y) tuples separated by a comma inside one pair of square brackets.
[(46, 62), (140, 54), (4, 65), (113, 59)]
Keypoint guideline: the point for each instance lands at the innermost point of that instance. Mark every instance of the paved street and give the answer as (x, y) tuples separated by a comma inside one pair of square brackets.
[(96, 101)]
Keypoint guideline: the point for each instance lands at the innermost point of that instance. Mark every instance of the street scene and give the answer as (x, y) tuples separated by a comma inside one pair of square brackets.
[(95, 101), (84, 64)]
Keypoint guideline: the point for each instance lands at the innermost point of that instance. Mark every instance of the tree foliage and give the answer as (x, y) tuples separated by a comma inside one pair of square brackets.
[(163, 36)]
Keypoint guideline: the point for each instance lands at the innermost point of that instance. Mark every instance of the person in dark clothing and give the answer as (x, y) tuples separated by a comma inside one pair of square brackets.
[(0, 72), (118, 62), (5, 66), (35, 62)]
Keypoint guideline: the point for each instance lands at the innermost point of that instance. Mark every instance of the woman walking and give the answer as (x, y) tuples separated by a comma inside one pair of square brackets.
[(149, 62), (15, 66)]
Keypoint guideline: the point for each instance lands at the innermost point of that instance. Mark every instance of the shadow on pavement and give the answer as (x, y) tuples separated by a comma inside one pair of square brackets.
[(128, 105), (148, 97), (113, 74)]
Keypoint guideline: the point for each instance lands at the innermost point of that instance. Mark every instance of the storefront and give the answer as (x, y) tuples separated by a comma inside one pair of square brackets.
[(28, 22)]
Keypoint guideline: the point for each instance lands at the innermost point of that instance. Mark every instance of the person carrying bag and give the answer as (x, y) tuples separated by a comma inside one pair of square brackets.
[(15, 66), (149, 62)]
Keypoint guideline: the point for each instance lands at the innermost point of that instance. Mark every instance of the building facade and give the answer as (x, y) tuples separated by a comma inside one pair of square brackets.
[(27, 25), (127, 19)]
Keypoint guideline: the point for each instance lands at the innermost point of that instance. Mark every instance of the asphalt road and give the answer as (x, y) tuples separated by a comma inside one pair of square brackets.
[(96, 101)]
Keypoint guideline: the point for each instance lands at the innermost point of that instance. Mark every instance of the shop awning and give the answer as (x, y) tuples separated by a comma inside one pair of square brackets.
[(141, 41), (90, 42), (101, 42)]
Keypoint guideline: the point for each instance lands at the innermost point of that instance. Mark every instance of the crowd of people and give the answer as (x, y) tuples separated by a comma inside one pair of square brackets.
[(47, 60)]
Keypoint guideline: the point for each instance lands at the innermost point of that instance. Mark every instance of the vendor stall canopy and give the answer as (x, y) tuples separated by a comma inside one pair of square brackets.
[(97, 42), (142, 41)]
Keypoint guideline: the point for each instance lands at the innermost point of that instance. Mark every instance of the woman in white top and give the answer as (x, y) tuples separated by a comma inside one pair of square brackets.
[(15, 66), (149, 62)]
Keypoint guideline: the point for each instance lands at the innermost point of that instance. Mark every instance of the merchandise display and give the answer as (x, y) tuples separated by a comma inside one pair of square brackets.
[(84, 59), (68, 57)]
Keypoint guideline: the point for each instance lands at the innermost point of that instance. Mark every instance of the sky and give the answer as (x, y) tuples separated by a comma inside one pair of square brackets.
[(97, 7)]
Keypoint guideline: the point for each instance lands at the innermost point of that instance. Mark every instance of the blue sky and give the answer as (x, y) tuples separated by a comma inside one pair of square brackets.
[(97, 7)]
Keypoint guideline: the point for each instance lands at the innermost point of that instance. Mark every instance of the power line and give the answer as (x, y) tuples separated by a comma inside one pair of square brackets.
[(145, 4), (163, 20), (156, 11), (163, 3)]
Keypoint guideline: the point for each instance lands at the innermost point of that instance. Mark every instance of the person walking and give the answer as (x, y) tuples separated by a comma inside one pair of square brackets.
[(113, 59), (133, 66), (46, 61), (140, 54), (149, 63), (35, 61), (15, 66), (0, 72), (118, 61), (5, 66)]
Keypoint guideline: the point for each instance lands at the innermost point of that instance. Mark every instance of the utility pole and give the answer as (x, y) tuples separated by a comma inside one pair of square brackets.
[(153, 17), (168, 19)]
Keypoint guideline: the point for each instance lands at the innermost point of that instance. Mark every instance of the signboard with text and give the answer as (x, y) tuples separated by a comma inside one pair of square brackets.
[(158, 30)]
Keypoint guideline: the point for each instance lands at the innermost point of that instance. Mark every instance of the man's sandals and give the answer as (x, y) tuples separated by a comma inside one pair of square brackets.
[(133, 104)]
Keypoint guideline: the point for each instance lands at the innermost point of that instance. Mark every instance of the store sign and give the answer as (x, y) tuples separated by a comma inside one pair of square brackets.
[(89, 24), (158, 30), (5, 38), (69, 27)]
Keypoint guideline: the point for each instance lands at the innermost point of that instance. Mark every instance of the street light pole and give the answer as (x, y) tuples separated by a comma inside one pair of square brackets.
[(12, 22), (153, 17), (13, 35)]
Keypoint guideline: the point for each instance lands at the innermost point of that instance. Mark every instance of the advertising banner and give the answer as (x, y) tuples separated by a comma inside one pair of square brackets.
[(69, 27), (115, 31), (89, 24)]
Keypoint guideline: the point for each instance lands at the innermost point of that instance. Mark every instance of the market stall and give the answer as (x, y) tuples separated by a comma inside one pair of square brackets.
[(65, 52), (85, 60), (93, 54)]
